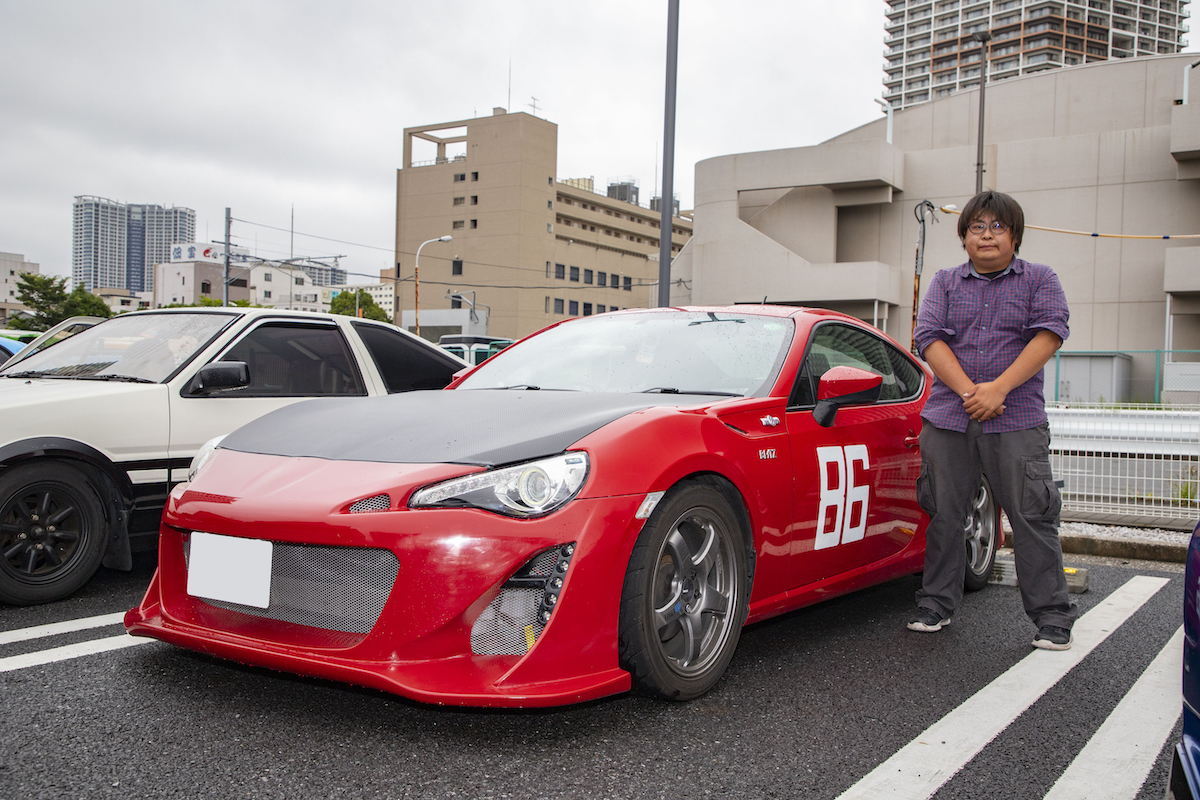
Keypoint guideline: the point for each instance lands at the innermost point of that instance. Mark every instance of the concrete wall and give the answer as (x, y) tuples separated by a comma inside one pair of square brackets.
[(1096, 148)]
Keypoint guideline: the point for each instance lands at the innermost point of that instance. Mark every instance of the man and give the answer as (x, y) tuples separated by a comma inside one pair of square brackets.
[(986, 329)]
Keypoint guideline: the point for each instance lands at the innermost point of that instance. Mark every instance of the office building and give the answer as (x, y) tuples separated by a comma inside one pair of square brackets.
[(11, 267), (1108, 148), (532, 248), (932, 49), (116, 245)]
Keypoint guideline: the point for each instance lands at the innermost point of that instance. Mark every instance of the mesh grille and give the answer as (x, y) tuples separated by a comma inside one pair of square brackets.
[(502, 627), (334, 588), (541, 566), (380, 502)]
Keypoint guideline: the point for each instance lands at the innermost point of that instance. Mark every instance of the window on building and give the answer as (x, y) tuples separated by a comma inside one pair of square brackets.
[(474, 223), (299, 281), (548, 273), (455, 302), (587, 276), (205, 287), (587, 309), (574, 308), (560, 271), (459, 177), (267, 294), (474, 199), (600, 308), (267, 277), (457, 224), (550, 204), (458, 201), (456, 267), (602, 279), (615, 281), (474, 176), (628, 284), (549, 229), (558, 305), (575, 274)]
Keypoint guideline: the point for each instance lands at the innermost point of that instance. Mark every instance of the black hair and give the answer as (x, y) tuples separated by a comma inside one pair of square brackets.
[(1000, 207)]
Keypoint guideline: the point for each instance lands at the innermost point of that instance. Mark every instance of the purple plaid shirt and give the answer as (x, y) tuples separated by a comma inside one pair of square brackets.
[(987, 324)]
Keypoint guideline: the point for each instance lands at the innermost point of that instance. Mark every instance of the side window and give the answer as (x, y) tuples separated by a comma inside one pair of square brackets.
[(405, 364), (289, 359), (836, 345)]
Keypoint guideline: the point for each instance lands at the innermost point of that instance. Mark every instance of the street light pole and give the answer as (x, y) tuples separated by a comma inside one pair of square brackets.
[(983, 37), (417, 278)]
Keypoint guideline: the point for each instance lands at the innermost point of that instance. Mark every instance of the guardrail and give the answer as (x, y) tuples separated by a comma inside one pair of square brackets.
[(1129, 465)]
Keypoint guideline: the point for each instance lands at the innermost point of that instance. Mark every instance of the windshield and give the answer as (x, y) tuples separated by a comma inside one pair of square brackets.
[(685, 352), (147, 347)]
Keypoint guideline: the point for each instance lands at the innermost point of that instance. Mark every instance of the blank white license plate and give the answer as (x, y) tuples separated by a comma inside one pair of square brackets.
[(230, 569)]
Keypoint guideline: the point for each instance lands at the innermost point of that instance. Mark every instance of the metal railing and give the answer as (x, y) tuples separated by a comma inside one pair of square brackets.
[(1131, 465)]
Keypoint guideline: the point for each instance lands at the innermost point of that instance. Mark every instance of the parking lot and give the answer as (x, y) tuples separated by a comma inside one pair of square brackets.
[(813, 703)]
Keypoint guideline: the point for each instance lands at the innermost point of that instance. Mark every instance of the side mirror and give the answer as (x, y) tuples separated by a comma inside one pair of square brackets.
[(845, 386), (220, 376)]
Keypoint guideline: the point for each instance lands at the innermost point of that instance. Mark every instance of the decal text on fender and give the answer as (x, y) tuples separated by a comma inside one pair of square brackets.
[(842, 516)]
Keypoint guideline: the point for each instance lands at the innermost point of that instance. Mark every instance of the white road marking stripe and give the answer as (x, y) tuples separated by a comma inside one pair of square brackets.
[(1116, 760), (920, 768), (55, 628), (70, 651)]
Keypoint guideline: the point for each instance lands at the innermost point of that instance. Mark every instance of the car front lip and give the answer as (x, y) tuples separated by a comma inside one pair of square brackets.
[(452, 564)]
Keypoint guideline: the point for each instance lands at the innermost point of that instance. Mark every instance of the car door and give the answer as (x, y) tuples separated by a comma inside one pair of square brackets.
[(855, 495), (289, 360)]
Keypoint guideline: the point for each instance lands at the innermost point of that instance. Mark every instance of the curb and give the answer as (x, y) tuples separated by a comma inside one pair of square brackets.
[(1124, 548)]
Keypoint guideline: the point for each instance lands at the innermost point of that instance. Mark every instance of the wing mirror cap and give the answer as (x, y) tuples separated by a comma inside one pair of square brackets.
[(220, 376), (845, 386)]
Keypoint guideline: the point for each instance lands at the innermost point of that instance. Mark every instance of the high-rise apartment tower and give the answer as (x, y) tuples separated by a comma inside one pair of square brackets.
[(116, 245), (932, 47)]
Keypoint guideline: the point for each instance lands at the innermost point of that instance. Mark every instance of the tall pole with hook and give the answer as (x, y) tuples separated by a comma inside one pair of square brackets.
[(921, 210)]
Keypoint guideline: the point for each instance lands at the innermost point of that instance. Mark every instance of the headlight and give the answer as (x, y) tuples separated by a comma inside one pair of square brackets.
[(202, 456), (526, 490)]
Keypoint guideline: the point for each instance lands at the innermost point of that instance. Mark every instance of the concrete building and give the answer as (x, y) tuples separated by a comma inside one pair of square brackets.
[(116, 245), (195, 270), (534, 249), (1107, 148), (121, 300), (932, 49), (384, 294), (11, 267)]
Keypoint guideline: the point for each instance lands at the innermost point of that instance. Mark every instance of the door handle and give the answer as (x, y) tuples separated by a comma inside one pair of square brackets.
[(912, 441)]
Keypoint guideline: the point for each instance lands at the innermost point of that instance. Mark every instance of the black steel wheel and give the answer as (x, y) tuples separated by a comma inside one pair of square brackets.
[(52, 532), (686, 594), (982, 532)]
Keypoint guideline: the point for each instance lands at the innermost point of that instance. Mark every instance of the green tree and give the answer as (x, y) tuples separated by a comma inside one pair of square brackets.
[(46, 296), (344, 304), (82, 303)]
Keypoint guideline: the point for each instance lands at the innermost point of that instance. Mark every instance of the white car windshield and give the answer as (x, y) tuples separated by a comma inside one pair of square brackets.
[(146, 348), (672, 352)]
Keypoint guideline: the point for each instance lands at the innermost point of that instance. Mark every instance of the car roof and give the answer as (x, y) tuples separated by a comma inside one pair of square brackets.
[(763, 309)]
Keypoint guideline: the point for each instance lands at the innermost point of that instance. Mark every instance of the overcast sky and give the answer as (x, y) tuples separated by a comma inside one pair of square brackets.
[(266, 105)]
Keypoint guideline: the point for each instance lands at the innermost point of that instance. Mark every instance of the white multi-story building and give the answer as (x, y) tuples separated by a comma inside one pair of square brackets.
[(11, 267), (197, 270), (384, 294), (933, 48), (289, 287), (116, 245)]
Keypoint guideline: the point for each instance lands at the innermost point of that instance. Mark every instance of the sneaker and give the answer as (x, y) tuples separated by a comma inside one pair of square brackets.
[(927, 620), (1052, 637)]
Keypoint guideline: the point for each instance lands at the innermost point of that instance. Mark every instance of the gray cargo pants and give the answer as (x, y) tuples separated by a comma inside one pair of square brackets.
[(1017, 463)]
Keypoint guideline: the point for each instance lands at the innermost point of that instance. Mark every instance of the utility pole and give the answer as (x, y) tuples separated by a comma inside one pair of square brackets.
[(225, 283), (667, 198), (983, 37)]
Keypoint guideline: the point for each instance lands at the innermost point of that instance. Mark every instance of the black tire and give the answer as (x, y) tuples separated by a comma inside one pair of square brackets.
[(981, 529), (52, 532), (686, 594)]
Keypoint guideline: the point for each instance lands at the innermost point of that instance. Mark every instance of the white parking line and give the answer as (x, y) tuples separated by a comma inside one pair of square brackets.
[(1116, 760), (920, 768), (55, 628), (70, 651)]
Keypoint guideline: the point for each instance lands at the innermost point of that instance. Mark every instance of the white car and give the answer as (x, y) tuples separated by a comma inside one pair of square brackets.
[(97, 429)]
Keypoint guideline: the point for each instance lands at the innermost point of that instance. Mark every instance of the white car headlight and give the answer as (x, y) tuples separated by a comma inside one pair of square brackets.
[(202, 456), (526, 490)]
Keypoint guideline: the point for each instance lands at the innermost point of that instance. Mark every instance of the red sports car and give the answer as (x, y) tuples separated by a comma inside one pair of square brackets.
[(601, 506)]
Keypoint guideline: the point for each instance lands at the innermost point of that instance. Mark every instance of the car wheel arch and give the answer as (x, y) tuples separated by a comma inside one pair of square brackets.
[(741, 510), (70, 450)]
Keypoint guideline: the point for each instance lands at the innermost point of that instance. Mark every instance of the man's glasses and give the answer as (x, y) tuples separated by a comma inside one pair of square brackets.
[(978, 228)]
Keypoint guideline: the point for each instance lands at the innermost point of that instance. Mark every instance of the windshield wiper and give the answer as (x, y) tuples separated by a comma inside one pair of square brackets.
[(27, 374), (121, 378), (526, 386), (673, 390)]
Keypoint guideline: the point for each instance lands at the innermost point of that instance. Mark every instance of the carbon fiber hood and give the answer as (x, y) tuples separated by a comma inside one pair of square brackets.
[(485, 427)]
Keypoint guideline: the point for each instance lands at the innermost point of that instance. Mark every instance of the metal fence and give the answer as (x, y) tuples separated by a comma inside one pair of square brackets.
[(1127, 464)]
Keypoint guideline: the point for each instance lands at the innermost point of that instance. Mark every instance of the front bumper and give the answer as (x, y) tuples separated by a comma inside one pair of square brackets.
[(451, 565)]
